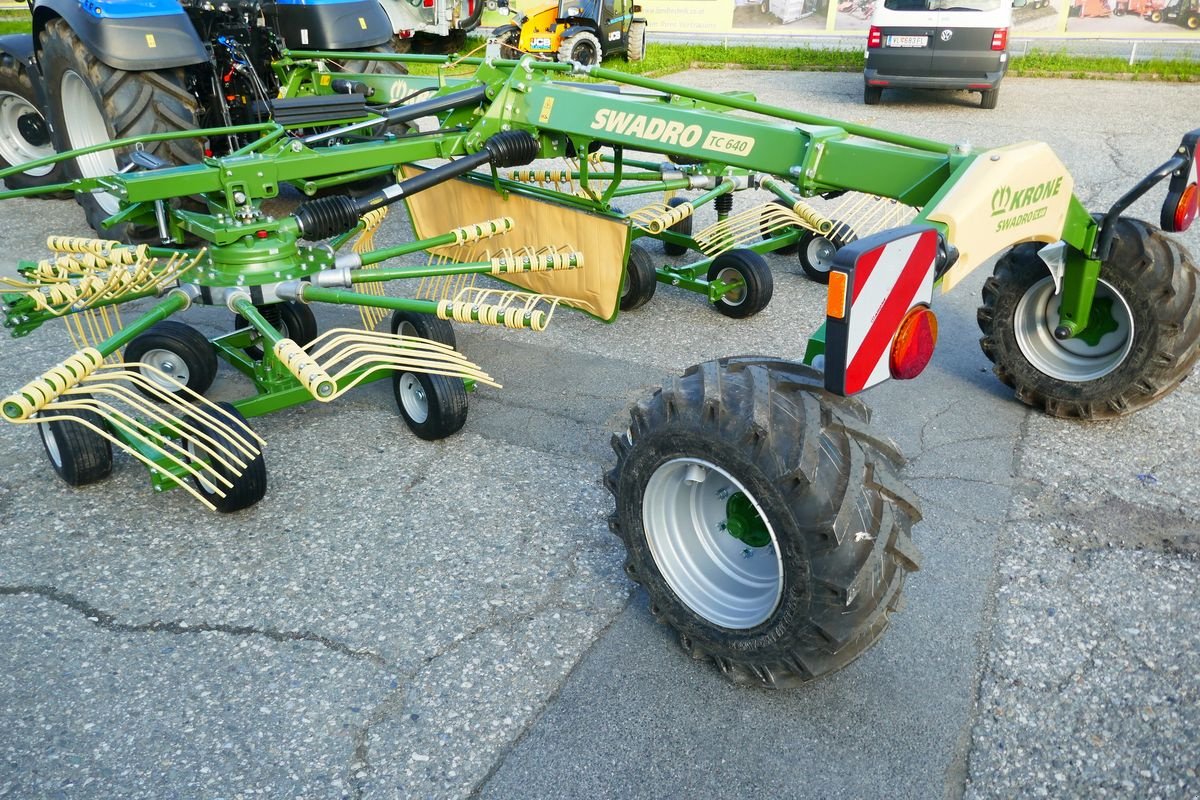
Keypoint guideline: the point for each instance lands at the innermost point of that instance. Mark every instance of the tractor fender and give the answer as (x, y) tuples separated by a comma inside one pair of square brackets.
[(157, 36), (332, 24), (20, 47), (575, 30), (504, 30)]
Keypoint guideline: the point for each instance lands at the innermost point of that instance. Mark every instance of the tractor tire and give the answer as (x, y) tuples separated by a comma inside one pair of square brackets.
[(872, 95), (24, 134), (367, 67), (91, 103), (817, 251), (1192, 22), (509, 40), (250, 486), (636, 47), (583, 48), (1144, 332), (763, 518), (683, 228), (1155, 16), (178, 353), (433, 406), (988, 98), (293, 319), (641, 279), (78, 453), (757, 282)]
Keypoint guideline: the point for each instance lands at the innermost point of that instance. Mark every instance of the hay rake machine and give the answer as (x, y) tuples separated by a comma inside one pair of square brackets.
[(763, 516)]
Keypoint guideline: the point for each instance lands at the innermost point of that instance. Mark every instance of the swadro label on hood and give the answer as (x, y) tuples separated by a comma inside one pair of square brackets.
[(670, 132)]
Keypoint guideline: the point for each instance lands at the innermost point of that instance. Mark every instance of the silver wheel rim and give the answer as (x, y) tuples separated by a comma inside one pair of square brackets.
[(15, 148), (413, 398), (721, 578), (206, 486), (172, 370), (820, 252), (734, 297), (85, 127), (1072, 360), (51, 442)]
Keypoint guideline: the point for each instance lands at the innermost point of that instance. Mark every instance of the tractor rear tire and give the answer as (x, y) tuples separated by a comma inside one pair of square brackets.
[(763, 518), (988, 98), (24, 133), (683, 228), (1145, 324), (91, 103), (78, 453), (179, 352), (251, 485), (583, 48), (363, 66), (636, 48), (757, 282), (641, 279)]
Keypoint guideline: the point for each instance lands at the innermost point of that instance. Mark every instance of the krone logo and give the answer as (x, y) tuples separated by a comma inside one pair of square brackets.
[(1000, 199)]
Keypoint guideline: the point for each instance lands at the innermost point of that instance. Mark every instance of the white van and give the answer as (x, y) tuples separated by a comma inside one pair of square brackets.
[(939, 44)]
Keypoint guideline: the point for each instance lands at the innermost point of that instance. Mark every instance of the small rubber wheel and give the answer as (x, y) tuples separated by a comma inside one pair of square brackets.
[(787, 249), (179, 354), (683, 228), (249, 486), (872, 95), (426, 326), (78, 453), (750, 270), (988, 98), (582, 48), (293, 319), (817, 251), (433, 406), (641, 279)]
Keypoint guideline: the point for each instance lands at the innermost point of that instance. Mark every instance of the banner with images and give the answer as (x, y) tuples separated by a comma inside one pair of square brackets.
[(1101, 19)]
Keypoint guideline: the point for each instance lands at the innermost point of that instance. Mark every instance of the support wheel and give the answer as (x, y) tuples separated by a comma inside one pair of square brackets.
[(78, 452), (683, 228), (433, 406), (293, 319), (248, 487), (817, 251), (763, 518), (988, 98), (636, 49), (641, 279), (787, 249), (583, 48), (179, 354), (426, 326), (1141, 340), (24, 134), (872, 95), (91, 103), (750, 270)]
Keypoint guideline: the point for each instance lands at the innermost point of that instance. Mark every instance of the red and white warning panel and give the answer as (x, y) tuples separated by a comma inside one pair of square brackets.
[(878, 321)]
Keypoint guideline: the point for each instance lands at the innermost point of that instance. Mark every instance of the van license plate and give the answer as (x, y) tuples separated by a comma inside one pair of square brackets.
[(907, 41)]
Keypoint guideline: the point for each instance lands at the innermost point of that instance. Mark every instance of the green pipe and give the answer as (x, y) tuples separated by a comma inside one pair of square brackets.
[(176, 300), (310, 293), (756, 107), (376, 256), (271, 336), (665, 186)]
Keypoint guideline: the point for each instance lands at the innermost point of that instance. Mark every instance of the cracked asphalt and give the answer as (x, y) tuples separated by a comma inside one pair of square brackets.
[(405, 619)]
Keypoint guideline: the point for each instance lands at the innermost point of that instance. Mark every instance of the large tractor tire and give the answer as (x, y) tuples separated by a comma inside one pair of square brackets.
[(1142, 339), (24, 134), (363, 66), (91, 103), (583, 48), (763, 518)]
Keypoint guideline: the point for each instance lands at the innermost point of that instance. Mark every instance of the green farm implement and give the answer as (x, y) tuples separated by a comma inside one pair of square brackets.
[(764, 517)]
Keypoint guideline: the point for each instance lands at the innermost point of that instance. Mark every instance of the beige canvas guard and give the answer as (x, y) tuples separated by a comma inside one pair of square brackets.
[(1005, 196), (595, 289)]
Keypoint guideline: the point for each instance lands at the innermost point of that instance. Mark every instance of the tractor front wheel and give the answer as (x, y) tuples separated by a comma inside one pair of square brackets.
[(24, 134), (250, 485), (582, 48), (78, 453), (641, 279), (763, 518), (818, 250), (753, 273), (1140, 343), (92, 103), (636, 48), (178, 355)]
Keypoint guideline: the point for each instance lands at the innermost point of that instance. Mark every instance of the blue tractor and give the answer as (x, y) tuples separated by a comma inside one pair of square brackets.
[(97, 70)]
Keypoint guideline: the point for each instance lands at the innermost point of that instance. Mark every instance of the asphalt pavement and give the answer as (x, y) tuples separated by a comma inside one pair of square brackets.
[(405, 619)]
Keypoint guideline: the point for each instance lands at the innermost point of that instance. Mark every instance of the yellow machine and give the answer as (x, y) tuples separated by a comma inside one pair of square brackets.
[(586, 31)]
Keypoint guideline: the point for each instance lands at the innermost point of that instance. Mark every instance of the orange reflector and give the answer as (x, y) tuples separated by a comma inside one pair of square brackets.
[(1189, 205), (835, 303), (913, 346)]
